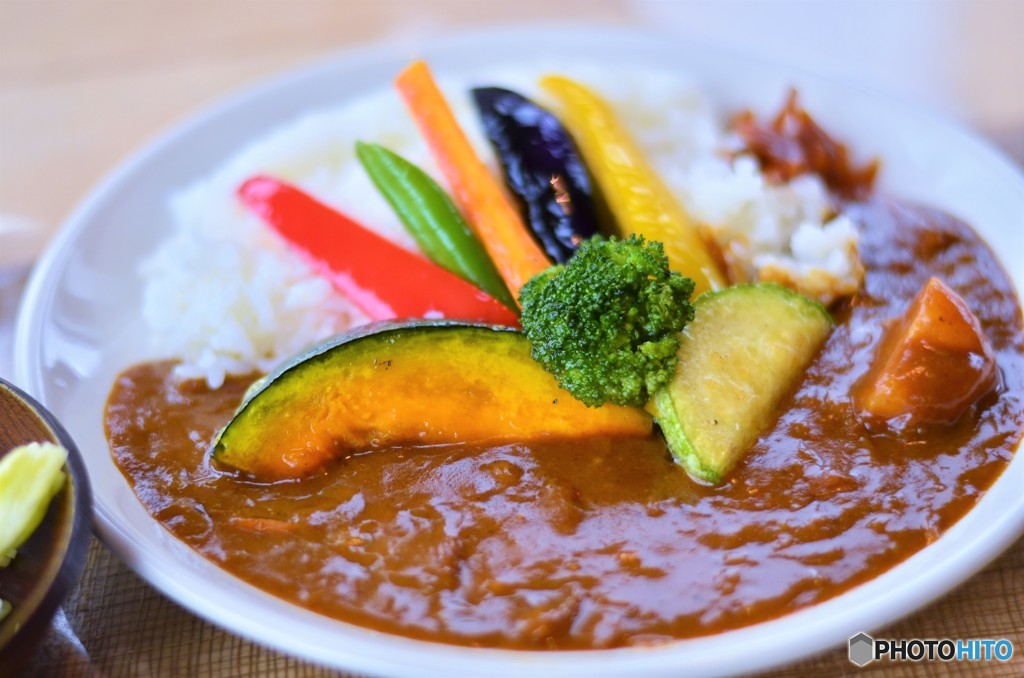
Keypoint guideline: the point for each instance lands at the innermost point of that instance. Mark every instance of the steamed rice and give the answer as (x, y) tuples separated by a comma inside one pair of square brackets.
[(226, 296)]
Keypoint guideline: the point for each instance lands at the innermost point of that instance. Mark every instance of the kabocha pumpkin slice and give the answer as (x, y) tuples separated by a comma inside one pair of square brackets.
[(416, 383), (744, 350)]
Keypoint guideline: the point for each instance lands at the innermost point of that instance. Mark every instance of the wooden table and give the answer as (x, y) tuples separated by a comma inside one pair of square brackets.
[(84, 83)]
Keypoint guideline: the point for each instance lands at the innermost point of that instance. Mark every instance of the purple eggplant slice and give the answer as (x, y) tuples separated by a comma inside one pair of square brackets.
[(542, 168)]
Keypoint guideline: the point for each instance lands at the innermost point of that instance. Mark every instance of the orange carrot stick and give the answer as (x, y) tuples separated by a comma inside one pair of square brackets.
[(515, 253)]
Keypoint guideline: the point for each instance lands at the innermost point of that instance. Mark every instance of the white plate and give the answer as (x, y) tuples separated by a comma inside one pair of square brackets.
[(84, 300)]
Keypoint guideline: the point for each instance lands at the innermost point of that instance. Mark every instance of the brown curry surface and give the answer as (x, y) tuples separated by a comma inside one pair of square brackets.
[(603, 543)]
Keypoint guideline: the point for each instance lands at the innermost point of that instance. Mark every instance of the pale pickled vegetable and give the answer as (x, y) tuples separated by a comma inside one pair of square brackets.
[(30, 476)]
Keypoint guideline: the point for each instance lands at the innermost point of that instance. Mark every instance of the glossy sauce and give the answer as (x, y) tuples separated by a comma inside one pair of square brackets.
[(603, 543)]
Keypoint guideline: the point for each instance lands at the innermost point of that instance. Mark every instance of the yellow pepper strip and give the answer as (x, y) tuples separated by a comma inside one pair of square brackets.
[(634, 193)]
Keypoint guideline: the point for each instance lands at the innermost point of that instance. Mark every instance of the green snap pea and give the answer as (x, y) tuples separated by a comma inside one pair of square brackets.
[(432, 219)]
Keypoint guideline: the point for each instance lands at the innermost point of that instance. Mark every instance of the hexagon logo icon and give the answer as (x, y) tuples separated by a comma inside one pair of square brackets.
[(862, 649)]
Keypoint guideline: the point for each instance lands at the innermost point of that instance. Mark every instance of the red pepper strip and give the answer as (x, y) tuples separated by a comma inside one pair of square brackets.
[(381, 278)]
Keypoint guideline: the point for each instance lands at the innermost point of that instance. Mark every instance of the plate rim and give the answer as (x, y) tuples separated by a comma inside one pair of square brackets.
[(41, 289)]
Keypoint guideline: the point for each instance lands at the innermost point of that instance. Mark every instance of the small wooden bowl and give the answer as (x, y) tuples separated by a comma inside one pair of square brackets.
[(49, 564)]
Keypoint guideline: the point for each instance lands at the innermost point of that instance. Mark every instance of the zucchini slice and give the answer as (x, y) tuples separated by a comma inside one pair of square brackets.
[(413, 383), (744, 351)]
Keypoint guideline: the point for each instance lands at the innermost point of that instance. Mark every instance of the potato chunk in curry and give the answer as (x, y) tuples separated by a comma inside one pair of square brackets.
[(932, 364)]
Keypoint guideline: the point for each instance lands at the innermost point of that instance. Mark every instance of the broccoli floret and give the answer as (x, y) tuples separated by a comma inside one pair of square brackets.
[(606, 322)]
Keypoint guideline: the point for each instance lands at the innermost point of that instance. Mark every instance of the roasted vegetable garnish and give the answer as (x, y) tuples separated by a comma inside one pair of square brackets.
[(636, 197), (605, 323), (745, 351), (399, 384), (384, 280), (491, 215), (432, 219), (932, 364), (542, 168)]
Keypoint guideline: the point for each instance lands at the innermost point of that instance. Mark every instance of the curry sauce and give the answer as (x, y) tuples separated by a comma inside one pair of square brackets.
[(604, 543)]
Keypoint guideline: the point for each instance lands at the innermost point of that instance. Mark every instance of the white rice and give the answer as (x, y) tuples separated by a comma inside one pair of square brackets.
[(776, 232), (225, 296)]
